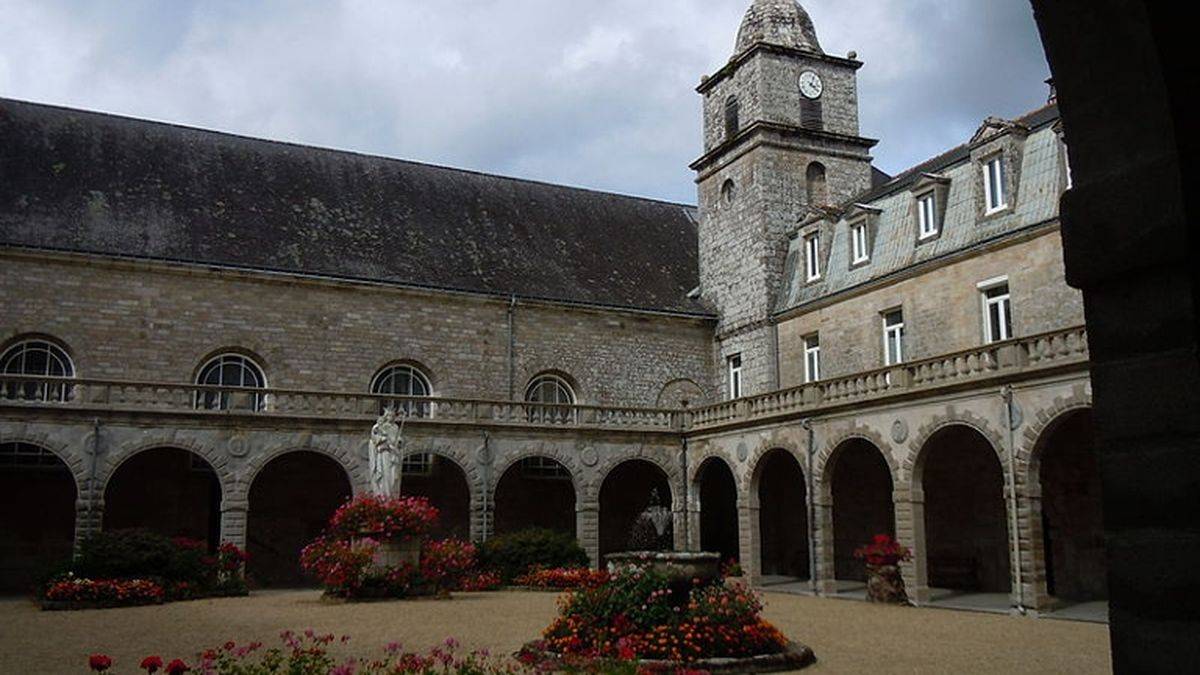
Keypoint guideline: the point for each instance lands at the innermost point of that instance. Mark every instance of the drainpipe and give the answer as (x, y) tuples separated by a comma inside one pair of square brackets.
[(512, 348), (92, 471), (810, 506), (687, 494), (1015, 538), (486, 471)]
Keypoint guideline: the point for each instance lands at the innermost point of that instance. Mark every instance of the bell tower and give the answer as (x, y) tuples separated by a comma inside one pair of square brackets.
[(780, 137)]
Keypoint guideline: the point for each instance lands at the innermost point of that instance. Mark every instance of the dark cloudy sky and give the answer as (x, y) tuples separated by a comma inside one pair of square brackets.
[(596, 93)]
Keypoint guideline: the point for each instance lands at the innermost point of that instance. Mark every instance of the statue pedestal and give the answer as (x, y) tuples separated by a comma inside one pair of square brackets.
[(393, 553)]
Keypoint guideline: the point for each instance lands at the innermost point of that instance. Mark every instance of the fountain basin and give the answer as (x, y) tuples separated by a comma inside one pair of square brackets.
[(676, 565)]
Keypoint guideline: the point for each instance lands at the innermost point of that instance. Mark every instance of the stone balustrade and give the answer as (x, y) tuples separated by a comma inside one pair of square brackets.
[(1028, 356)]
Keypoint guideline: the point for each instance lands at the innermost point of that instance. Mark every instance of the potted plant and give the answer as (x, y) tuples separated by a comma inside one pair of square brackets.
[(884, 581)]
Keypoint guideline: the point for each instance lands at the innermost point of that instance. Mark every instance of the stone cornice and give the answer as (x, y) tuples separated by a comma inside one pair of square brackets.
[(761, 128), (710, 81)]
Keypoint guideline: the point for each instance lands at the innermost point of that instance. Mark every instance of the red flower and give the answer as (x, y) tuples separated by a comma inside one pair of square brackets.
[(99, 662), (177, 667), (151, 664)]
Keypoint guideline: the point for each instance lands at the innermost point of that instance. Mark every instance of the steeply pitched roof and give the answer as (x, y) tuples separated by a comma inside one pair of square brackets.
[(1033, 120), (97, 183)]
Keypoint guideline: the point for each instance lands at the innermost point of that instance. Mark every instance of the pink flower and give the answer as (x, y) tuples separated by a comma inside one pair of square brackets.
[(151, 664), (100, 662)]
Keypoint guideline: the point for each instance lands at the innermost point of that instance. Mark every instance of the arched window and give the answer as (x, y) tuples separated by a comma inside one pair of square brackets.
[(732, 122), (232, 371), (37, 359), (555, 391), (818, 190), (403, 380)]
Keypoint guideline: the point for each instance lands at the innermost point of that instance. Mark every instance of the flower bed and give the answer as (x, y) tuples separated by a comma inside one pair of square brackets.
[(562, 578), (308, 652), (71, 592), (128, 568), (639, 614), (347, 558)]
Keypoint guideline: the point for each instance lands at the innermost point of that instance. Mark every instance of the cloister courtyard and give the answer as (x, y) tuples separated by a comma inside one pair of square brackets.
[(847, 636)]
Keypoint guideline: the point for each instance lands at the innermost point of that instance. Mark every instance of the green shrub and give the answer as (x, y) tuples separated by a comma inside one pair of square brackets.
[(127, 554), (513, 554)]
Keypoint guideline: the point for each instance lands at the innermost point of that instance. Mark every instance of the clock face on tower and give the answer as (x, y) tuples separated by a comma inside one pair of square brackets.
[(811, 85)]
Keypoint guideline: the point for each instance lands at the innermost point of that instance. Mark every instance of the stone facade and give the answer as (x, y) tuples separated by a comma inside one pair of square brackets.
[(160, 323), (138, 330)]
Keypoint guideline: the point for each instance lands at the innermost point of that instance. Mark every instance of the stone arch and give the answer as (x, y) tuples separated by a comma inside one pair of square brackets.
[(961, 531), (75, 462), (550, 452), (289, 499), (910, 467), (512, 464), (124, 496), (1042, 568), (218, 460), (345, 458), (1027, 458), (40, 509), (472, 479), (823, 462), (779, 542), (615, 516), (847, 513), (674, 477), (716, 501), (674, 392), (749, 487)]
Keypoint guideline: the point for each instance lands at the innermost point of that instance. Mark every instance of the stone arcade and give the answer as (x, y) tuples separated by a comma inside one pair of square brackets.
[(200, 329)]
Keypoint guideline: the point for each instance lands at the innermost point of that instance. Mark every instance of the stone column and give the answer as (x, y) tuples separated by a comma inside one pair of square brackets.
[(587, 529), (910, 531), (89, 518), (1032, 551), (679, 528), (694, 508), (825, 572), (749, 541), (234, 514)]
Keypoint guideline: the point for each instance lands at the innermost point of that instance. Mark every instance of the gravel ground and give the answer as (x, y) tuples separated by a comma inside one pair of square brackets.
[(847, 636)]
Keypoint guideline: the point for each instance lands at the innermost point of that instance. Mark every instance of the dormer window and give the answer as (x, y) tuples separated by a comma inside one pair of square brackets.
[(927, 222), (812, 257), (995, 197), (860, 251)]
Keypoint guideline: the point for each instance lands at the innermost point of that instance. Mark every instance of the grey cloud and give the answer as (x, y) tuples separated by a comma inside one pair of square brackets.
[(589, 93)]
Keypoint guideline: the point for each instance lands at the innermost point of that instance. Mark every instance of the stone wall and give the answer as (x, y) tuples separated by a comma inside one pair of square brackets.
[(943, 310), (160, 323)]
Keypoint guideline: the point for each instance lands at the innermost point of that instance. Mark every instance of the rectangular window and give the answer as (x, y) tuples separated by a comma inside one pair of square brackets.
[(927, 216), (812, 358), (993, 184), (858, 238), (997, 313), (893, 338), (735, 377), (812, 258), (419, 464)]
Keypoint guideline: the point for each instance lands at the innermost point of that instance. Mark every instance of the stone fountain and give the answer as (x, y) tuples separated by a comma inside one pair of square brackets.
[(651, 545)]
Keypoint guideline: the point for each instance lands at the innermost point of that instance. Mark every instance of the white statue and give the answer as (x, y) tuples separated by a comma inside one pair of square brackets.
[(385, 447)]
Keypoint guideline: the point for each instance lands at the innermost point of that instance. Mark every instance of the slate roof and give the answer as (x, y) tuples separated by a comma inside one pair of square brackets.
[(1034, 120), (96, 183), (893, 242)]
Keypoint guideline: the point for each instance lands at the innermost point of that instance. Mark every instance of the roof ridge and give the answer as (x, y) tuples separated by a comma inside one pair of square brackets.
[(343, 151), (901, 176)]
